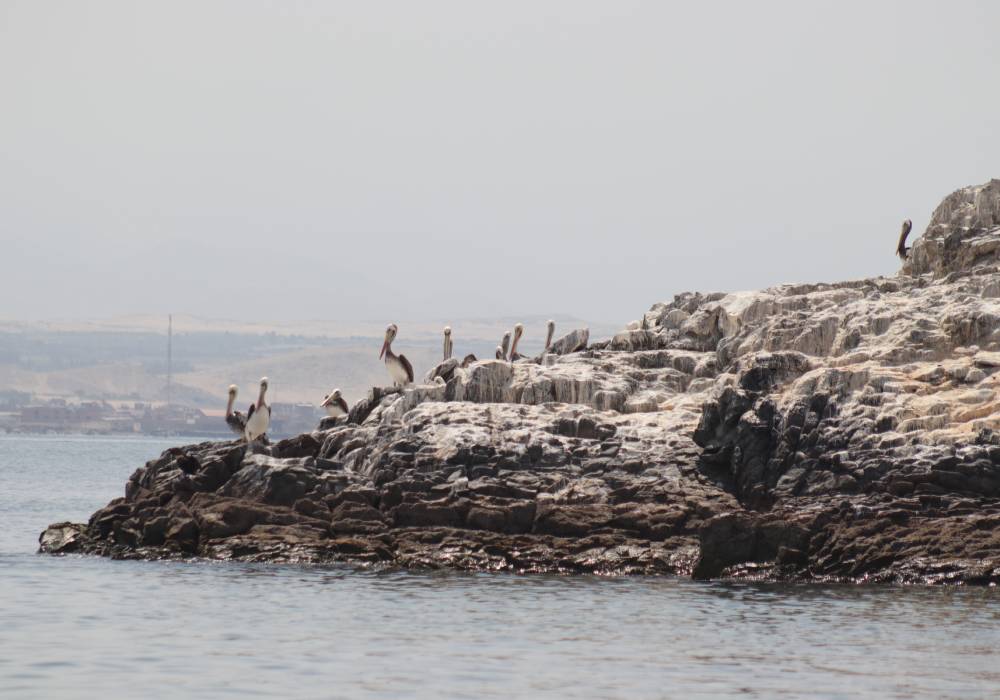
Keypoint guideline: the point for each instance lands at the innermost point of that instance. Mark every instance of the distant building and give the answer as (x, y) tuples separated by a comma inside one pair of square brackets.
[(11, 400), (45, 418)]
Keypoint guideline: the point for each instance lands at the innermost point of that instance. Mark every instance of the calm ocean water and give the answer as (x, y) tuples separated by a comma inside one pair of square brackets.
[(83, 626)]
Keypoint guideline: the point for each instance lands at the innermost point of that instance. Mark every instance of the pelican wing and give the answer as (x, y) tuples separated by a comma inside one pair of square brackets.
[(250, 411), (407, 366), (237, 422)]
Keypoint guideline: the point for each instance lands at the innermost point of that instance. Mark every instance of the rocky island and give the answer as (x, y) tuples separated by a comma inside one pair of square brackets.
[(814, 432)]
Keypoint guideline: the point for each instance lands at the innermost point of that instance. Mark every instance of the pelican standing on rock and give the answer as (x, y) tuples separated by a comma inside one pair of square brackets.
[(901, 250), (236, 420), (447, 343), (335, 405), (518, 332), (548, 338), (399, 367), (259, 415), (504, 346)]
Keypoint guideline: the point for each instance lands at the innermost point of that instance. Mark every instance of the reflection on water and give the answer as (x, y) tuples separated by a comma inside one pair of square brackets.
[(80, 626)]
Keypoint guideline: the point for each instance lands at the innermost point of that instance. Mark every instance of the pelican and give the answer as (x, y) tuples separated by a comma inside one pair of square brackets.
[(259, 415), (236, 420), (447, 343), (548, 338), (505, 345), (399, 367), (500, 353), (468, 360), (518, 332), (334, 404), (901, 250)]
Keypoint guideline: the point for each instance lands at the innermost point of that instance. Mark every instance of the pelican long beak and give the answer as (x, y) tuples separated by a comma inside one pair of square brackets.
[(381, 353), (326, 402)]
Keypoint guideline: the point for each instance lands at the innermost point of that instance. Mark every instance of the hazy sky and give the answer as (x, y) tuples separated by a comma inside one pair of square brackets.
[(402, 160)]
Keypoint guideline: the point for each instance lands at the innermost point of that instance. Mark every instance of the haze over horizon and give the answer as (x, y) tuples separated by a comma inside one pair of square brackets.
[(254, 161)]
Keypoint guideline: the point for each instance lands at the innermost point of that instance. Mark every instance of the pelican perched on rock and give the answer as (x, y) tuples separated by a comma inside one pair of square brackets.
[(901, 250), (548, 337), (236, 420), (447, 343), (334, 404), (504, 345), (550, 328), (259, 415), (399, 367), (518, 332)]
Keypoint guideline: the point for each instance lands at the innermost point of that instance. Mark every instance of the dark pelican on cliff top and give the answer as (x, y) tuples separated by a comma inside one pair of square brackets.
[(901, 250)]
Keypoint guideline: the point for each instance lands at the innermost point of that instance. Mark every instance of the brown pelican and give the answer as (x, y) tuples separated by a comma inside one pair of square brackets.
[(500, 353), (518, 332), (548, 338), (468, 360), (901, 250), (334, 404), (399, 367), (259, 415), (505, 345), (236, 420), (447, 343)]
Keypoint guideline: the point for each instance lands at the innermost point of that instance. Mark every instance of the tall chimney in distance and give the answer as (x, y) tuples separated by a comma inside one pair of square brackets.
[(170, 356)]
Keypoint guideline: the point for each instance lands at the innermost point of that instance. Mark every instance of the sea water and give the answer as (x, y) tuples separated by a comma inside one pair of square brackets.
[(78, 626)]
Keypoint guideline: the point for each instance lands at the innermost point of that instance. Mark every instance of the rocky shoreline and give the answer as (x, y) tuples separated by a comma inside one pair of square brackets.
[(812, 432)]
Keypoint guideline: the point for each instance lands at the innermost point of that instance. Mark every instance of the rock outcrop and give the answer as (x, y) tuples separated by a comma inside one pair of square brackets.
[(845, 431)]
